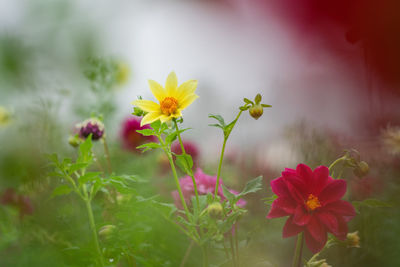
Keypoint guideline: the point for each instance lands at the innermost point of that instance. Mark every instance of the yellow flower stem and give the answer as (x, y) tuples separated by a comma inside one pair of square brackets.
[(298, 251), (191, 171), (222, 155)]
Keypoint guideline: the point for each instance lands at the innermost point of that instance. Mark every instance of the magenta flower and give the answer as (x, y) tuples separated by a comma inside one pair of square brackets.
[(132, 139), (312, 200), (205, 184), (91, 126)]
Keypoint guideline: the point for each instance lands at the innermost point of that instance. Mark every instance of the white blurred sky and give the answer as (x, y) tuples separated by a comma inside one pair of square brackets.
[(234, 51)]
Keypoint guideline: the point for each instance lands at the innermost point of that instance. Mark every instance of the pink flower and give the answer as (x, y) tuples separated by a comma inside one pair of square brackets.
[(311, 199), (130, 138), (205, 184)]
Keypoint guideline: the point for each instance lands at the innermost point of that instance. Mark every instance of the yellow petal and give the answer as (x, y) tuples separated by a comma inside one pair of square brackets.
[(150, 117), (164, 118), (171, 84), (157, 90), (185, 89), (147, 105), (187, 101)]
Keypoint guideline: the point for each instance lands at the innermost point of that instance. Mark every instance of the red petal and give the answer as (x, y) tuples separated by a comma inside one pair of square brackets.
[(291, 229), (282, 206), (315, 245), (294, 193), (279, 187), (305, 173), (334, 191), (316, 229), (330, 221), (301, 216), (342, 208), (343, 229), (321, 179)]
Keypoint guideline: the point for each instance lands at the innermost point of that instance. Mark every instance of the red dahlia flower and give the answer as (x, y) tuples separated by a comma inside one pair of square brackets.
[(312, 200)]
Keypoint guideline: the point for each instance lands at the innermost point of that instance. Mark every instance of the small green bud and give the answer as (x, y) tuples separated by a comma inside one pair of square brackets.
[(362, 169), (256, 111), (106, 231), (215, 210), (75, 140)]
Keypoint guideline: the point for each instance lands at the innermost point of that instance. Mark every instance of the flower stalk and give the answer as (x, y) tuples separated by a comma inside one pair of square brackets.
[(298, 251)]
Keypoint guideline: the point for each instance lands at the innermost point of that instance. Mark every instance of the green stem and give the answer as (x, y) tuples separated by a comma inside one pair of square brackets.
[(191, 171), (219, 167), (226, 136), (336, 162), (205, 255), (187, 253), (93, 228), (171, 162), (298, 251)]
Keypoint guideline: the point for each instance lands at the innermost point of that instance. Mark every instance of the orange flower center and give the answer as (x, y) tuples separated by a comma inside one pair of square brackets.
[(312, 202), (169, 105)]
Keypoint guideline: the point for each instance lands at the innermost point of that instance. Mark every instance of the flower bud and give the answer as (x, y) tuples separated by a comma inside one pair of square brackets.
[(75, 140), (91, 126), (256, 111), (106, 231), (353, 240), (361, 169), (215, 210)]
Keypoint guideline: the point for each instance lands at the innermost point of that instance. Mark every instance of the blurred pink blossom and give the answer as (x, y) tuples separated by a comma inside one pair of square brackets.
[(130, 138)]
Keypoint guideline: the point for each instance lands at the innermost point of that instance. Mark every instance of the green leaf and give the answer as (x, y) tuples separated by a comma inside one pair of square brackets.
[(244, 108), (146, 132), (257, 99), (268, 200), (156, 125), (185, 163), (61, 190), (216, 125), (230, 196), (85, 151), (252, 186), (89, 177), (228, 128), (77, 166), (266, 106), (218, 118), (148, 146), (172, 136)]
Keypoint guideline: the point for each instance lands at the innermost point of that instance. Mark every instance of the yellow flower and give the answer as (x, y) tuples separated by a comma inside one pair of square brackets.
[(172, 100)]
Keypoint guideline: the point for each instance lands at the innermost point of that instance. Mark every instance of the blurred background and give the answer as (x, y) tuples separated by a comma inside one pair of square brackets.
[(330, 70)]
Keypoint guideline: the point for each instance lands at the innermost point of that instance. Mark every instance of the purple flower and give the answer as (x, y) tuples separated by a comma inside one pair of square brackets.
[(205, 184), (91, 126), (130, 138)]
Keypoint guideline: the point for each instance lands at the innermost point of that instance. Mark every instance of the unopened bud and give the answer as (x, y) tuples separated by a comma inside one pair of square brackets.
[(353, 240), (106, 231), (361, 169), (75, 140), (91, 126), (258, 99), (256, 111), (215, 210)]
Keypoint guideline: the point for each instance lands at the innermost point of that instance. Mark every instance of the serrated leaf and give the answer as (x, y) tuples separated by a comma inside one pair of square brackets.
[(156, 125), (146, 132), (252, 186), (61, 190), (172, 136), (185, 163), (148, 146), (230, 196)]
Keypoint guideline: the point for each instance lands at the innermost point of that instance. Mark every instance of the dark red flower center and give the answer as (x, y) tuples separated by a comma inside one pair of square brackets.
[(312, 202)]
